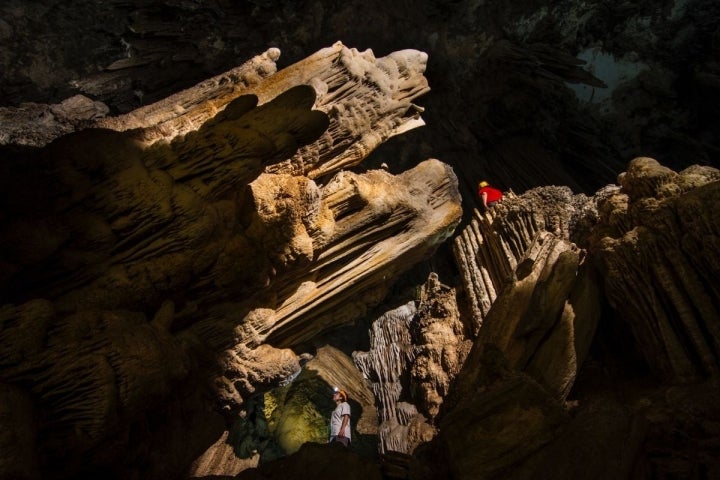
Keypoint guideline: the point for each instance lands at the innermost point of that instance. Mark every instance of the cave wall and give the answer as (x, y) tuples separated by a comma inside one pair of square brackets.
[(578, 89), (159, 266), (510, 102), (535, 387)]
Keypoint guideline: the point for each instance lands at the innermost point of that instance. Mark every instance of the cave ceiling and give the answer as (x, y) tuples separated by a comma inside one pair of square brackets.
[(513, 85)]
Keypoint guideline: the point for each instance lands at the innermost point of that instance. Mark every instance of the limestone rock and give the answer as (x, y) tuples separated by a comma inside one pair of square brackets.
[(200, 231), (20, 126), (490, 250), (395, 220), (498, 412), (337, 369), (512, 105), (246, 371), (317, 461), (220, 459), (442, 344), (386, 368), (100, 371), (277, 422), (646, 243), (656, 245), (415, 354), (535, 308), (528, 292), (606, 439)]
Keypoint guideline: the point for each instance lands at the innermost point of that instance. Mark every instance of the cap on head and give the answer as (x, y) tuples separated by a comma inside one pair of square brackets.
[(341, 392), (483, 184)]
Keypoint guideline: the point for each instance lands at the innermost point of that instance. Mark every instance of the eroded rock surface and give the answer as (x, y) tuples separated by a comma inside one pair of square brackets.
[(548, 92), (183, 248), (657, 247), (510, 395), (415, 354), (513, 99), (527, 288)]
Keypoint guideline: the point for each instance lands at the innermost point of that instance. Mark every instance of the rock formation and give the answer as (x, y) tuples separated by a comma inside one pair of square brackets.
[(533, 387), (528, 288), (658, 252), (518, 91), (186, 271), (188, 243), (386, 365), (415, 354), (535, 315)]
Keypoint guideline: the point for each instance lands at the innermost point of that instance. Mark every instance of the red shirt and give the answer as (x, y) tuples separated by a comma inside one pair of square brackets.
[(493, 194)]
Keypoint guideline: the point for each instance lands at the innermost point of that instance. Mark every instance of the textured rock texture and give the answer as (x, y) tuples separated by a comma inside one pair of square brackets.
[(536, 306), (185, 246), (415, 354), (161, 273), (657, 247), (534, 386), (534, 313), (281, 420), (528, 290), (528, 94)]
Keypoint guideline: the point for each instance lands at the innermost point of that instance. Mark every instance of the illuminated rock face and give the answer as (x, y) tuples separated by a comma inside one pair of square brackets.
[(515, 408), (184, 246), (536, 301), (415, 354), (657, 247), (505, 108), (529, 291)]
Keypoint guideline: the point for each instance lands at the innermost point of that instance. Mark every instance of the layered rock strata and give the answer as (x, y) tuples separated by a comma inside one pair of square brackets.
[(163, 251)]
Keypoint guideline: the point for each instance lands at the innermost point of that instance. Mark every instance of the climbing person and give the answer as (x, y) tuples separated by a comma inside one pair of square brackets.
[(490, 196), (340, 418)]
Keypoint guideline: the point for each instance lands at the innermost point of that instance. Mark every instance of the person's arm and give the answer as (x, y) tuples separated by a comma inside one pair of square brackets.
[(341, 432), (484, 199)]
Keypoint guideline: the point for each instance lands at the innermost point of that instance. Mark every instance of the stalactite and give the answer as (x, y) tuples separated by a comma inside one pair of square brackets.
[(415, 352), (387, 363)]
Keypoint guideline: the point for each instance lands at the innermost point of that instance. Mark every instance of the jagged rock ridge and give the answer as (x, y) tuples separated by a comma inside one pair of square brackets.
[(159, 259), (534, 387), (512, 395)]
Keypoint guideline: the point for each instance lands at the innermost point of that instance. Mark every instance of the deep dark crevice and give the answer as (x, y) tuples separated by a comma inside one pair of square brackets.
[(614, 359)]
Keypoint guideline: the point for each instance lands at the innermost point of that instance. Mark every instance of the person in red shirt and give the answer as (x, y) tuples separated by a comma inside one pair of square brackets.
[(489, 195)]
